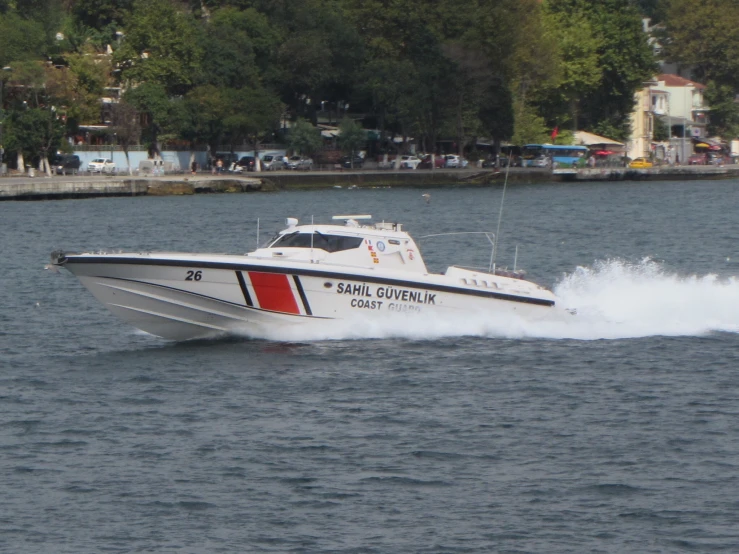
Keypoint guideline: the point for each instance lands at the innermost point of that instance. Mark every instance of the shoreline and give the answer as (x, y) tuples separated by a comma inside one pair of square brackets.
[(22, 188)]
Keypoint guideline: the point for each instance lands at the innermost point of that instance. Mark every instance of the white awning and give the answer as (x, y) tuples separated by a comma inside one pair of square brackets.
[(590, 139)]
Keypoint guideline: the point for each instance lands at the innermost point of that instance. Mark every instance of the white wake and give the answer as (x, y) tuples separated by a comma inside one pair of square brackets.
[(612, 300)]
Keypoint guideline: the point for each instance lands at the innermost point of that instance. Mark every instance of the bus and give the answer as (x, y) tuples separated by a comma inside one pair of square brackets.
[(553, 155)]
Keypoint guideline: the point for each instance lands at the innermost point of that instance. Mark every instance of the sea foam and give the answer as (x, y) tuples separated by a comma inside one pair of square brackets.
[(613, 299)]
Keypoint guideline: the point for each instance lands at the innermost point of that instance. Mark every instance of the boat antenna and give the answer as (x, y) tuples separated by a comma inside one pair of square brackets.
[(257, 233), (312, 232), (500, 214)]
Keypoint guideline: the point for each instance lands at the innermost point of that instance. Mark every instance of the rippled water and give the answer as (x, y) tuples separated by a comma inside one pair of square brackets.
[(613, 432)]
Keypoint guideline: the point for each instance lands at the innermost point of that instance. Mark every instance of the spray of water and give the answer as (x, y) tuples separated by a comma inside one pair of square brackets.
[(617, 299), (613, 299)]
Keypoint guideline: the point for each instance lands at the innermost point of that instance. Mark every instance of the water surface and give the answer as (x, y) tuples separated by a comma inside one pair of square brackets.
[(613, 432)]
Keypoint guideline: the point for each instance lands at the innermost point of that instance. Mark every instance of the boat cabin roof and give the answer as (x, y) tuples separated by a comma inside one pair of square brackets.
[(352, 228), (378, 245)]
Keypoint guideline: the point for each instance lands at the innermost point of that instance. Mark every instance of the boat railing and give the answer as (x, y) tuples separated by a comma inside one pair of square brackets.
[(491, 268), (488, 235)]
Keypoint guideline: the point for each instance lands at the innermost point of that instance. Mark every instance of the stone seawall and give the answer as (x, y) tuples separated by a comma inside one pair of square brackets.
[(48, 189), (44, 188), (667, 173), (59, 188)]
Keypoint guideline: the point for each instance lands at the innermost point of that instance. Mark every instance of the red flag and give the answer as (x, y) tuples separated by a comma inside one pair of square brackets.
[(555, 132)]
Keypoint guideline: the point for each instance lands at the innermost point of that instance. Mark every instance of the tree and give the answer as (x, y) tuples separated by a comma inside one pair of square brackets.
[(661, 132), (152, 100), (472, 76), (90, 73), (204, 111), (625, 57), (703, 35), (233, 40), (724, 121), (390, 83), (530, 128), (255, 113), (125, 126), (160, 47), (101, 14), (319, 56), (46, 13), (34, 134), (351, 137), (20, 39), (304, 138), (580, 60)]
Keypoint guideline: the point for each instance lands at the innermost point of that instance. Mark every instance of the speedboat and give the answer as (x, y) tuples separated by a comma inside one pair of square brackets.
[(306, 275)]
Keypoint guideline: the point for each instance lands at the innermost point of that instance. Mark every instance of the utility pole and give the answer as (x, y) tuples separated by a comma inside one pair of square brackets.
[(2, 111)]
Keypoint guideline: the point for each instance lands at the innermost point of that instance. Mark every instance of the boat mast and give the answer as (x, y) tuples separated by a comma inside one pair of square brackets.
[(500, 216)]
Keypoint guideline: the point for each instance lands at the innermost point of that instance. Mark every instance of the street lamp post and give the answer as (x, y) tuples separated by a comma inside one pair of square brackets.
[(2, 112)]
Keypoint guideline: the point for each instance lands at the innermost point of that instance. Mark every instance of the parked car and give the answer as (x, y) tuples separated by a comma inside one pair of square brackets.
[(101, 165), (356, 163), (246, 163), (300, 162), (698, 159), (542, 161), (439, 162), (410, 162), (504, 160), (452, 160), (62, 164), (641, 163), (272, 163)]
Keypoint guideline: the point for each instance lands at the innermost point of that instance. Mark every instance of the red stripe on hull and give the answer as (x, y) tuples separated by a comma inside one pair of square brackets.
[(273, 292)]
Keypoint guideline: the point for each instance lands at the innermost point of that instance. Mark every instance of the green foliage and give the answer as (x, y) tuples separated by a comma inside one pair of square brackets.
[(704, 35), (20, 39), (625, 58), (219, 71), (304, 138), (152, 99), (660, 132), (724, 120), (36, 132), (580, 60), (530, 128), (160, 46), (352, 137), (564, 137), (254, 113), (608, 129), (233, 42), (201, 115), (101, 14), (535, 58)]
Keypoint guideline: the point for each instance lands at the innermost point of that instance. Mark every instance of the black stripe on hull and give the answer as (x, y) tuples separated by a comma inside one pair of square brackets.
[(244, 290), (71, 259), (303, 298)]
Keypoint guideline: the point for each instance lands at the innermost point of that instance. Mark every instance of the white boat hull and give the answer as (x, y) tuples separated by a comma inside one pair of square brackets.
[(200, 296)]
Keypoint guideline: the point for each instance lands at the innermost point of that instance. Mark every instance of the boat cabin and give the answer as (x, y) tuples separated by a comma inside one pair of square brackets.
[(379, 246)]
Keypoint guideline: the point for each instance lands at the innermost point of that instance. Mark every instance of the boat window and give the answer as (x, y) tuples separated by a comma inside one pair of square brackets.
[(329, 243)]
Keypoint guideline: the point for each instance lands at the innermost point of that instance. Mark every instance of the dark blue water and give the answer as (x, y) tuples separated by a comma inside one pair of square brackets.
[(617, 431)]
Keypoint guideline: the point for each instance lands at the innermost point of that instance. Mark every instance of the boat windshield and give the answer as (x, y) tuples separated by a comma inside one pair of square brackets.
[(329, 243)]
